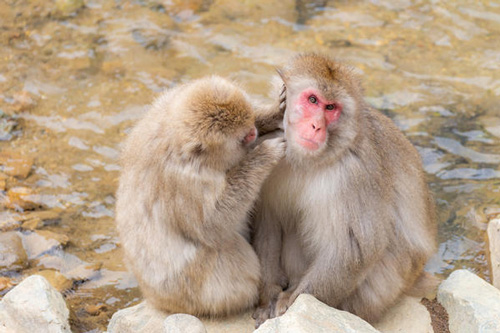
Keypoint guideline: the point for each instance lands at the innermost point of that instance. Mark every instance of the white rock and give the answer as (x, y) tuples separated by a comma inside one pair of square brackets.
[(181, 323), (473, 305), (34, 306), (494, 240), (242, 322), (308, 315), (408, 315), (140, 318)]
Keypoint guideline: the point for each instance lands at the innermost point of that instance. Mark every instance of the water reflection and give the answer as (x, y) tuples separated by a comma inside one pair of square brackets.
[(72, 85)]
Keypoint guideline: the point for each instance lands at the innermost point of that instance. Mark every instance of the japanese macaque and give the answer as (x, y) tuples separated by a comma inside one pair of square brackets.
[(346, 216), (190, 176)]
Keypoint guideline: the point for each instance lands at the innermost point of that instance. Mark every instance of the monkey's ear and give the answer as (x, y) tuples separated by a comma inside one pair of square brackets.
[(282, 74)]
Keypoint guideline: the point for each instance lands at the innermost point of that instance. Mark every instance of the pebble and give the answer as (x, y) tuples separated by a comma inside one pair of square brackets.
[(12, 253), (95, 309), (14, 164), (23, 101)]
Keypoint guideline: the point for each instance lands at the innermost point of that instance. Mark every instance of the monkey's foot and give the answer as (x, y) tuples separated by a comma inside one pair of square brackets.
[(262, 313)]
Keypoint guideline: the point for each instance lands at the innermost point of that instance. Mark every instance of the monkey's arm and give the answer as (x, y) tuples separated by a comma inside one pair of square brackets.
[(270, 117)]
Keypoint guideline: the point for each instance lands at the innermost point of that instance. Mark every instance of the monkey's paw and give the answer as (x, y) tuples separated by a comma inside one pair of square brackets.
[(275, 147), (285, 300), (262, 313)]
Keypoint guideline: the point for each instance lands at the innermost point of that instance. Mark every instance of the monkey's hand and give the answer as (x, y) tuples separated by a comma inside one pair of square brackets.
[(272, 149), (286, 299)]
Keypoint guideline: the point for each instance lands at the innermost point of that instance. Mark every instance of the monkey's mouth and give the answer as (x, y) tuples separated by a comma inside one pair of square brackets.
[(308, 143)]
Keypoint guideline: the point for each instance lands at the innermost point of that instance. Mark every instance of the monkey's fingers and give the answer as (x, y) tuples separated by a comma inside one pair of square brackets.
[(261, 314), (282, 303)]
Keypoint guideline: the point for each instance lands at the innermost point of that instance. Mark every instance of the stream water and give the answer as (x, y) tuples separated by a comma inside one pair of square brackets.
[(74, 79)]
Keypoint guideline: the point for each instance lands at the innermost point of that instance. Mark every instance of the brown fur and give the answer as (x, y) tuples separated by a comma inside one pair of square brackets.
[(187, 185), (352, 223)]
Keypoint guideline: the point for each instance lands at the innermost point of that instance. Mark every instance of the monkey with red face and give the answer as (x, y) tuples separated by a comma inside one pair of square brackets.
[(347, 215)]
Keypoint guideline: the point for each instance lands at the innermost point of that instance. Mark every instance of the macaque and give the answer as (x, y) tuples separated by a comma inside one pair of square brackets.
[(346, 216), (190, 176)]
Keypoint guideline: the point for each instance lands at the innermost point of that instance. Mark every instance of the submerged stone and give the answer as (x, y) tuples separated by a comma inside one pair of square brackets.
[(12, 253)]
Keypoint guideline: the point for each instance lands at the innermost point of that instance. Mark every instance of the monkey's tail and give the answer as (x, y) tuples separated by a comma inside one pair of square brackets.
[(425, 286)]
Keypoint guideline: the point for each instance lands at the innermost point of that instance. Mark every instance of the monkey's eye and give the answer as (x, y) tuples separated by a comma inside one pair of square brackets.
[(331, 106), (313, 99)]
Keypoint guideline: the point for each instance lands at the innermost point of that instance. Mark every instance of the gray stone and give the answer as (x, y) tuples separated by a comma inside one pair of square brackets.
[(473, 305), (34, 306), (181, 323), (408, 315), (12, 253), (308, 315), (494, 241)]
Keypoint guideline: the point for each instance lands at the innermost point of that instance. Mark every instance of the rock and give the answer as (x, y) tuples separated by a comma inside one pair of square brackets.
[(60, 238), (3, 180), (473, 305), (34, 306), (32, 224), (68, 7), (307, 314), (37, 245), (56, 279), (494, 241), (238, 323), (9, 220), (256, 9), (23, 101), (180, 323), (95, 310), (141, 318), (408, 315), (48, 216), (12, 253), (5, 283), (15, 165), (19, 198)]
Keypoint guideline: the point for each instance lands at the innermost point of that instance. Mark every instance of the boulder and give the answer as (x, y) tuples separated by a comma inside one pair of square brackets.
[(473, 305), (494, 241), (34, 306), (307, 314)]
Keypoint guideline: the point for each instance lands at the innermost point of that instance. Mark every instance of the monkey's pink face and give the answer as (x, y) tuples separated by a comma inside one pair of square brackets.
[(310, 117)]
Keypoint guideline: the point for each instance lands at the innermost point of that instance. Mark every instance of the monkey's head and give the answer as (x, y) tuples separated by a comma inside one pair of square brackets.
[(323, 99), (220, 121)]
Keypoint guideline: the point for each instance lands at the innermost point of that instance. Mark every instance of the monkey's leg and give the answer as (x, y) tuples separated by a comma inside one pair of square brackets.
[(232, 284), (267, 244)]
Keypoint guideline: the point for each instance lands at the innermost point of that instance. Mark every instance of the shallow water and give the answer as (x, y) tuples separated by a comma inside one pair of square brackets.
[(76, 82)]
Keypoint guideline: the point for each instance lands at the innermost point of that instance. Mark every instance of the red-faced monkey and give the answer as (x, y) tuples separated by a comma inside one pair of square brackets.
[(346, 216), (189, 179)]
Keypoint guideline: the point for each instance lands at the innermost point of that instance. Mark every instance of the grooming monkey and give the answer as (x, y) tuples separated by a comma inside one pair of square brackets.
[(189, 179), (346, 216)]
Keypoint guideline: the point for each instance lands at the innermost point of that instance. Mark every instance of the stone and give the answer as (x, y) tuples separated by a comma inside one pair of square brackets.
[(36, 245), (56, 279), (32, 224), (12, 253), (242, 322), (5, 283), (473, 305), (9, 220), (19, 198), (95, 309), (34, 306), (60, 238), (408, 315), (494, 242), (48, 216), (257, 9), (23, 101), (14, 164), (68, 7), (180, 323), (307, 314), (141, 318)]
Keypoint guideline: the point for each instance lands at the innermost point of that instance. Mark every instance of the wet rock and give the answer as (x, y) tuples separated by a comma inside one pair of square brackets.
[(180, 323), (408, 315), (32, 224), (37, 245), (60, 238), (253, 9), (23, 101), (56, 279), (473, 305), (12, 253), (307, 314), (7, 125), (47, 216), (34, 306), (141, 318), (3, 180), (68, 7), (19, 198), (5, 283), (494, 241), (9, 220), (95, 310), (15, 165)]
